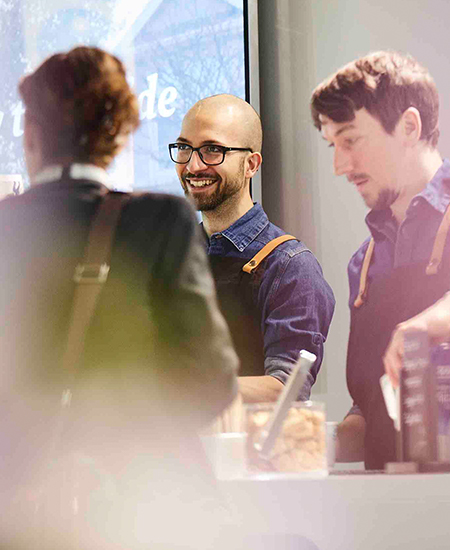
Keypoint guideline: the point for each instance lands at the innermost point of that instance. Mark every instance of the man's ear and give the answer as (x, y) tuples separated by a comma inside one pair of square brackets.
[(27, 135), (32, 135), (32, 144), (253, 163), (411, 126)]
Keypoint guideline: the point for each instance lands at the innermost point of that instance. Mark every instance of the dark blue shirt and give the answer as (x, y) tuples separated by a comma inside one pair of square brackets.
[(405, 244), (295, 301), (409, 243)]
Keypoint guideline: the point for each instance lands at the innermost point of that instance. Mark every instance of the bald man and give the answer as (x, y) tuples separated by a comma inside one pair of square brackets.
[(279, 306)]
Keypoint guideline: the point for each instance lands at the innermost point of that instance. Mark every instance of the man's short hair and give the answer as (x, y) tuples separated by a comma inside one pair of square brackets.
[(385, 84), (83, 103), (250, 126)]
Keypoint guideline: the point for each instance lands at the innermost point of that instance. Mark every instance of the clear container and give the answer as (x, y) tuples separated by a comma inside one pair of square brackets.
[(300, 445)]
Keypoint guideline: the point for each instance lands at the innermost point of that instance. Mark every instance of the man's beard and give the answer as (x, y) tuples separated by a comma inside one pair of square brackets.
[(211, 201), (223, 192), (384, 200)]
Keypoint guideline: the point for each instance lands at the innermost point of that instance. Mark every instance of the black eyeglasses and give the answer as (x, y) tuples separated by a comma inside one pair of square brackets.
[(212, 155)]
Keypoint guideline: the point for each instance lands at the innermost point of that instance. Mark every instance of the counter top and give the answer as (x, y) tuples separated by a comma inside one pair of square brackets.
[(349, 510)]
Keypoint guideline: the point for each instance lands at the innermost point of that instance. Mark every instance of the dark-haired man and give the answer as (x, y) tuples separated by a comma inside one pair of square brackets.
[(380, 114), (275, 306)]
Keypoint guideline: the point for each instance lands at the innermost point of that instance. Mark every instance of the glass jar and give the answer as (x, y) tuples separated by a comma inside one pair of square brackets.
[(300, 445)]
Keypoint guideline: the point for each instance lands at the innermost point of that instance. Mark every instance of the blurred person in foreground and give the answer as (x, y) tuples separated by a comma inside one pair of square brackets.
[(158, 363), (380, 115), (283, 306)]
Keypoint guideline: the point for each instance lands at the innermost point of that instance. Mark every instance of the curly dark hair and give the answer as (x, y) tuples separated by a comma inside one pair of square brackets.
[(385, 84), (83, 104)]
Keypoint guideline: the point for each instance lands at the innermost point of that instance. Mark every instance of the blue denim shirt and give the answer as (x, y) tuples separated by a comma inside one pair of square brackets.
[(409, 243), (295, 301)]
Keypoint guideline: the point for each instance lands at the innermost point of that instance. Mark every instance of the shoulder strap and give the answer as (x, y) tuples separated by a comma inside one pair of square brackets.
[(363, 277), (253, 264), (439, 244), (89, 276), (60, 482)]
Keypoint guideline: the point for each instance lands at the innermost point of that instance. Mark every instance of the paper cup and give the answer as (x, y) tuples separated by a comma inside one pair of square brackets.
[(227, 454)]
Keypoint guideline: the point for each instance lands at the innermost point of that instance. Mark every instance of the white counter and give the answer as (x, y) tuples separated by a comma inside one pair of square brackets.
[(348, 511)]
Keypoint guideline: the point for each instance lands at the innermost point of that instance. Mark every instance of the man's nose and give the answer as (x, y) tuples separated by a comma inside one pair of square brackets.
[(195, 162), (343, 163)]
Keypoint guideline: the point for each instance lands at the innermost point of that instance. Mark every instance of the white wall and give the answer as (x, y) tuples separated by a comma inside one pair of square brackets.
[(301, 43)]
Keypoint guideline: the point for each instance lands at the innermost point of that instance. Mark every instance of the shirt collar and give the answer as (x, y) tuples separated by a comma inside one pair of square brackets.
[(436, 194), (77, 171), (245, 230)]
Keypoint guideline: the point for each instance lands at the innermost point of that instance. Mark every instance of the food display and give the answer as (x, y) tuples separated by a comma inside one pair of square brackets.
[(300, 445)]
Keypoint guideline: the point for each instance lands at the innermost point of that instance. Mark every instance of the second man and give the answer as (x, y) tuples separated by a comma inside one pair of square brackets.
[(274, 298)]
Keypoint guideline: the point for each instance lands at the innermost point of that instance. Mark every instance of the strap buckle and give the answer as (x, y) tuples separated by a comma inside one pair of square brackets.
[(253, 264), (91, 273)]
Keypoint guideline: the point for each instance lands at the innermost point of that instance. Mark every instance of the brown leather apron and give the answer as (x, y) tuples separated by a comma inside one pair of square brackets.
[(237, 285)]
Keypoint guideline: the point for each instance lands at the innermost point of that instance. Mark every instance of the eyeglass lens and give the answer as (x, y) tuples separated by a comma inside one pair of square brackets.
[(209, 154)]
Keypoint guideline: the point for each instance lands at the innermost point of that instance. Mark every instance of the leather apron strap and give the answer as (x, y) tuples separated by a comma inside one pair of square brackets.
[(363, 278), (439, 244), (433, 264), (253, 264)]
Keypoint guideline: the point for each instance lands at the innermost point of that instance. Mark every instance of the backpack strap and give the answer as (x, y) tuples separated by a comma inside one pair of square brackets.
[(90, 275), (60, 481)]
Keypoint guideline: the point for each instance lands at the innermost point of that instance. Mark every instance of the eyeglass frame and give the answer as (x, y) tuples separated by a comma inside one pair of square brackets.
[(225, 150)]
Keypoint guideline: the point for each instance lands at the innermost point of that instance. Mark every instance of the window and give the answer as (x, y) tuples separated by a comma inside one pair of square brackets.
[(176, 52)]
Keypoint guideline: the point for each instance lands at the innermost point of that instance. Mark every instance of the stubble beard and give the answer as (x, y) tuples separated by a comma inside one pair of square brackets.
[(222, 193), (384, 200)]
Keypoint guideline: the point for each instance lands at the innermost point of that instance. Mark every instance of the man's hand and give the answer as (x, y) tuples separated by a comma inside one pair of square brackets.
[(259, 389), (435, 321)]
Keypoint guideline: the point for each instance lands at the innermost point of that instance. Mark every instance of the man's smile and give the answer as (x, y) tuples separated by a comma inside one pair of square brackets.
[(200, 182)]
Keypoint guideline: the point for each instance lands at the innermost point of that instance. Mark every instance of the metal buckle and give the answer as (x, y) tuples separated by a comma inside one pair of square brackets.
[(91, 273), (66, 398)]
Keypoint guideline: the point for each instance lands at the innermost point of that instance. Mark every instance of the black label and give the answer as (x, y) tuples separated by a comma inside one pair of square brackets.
[(417, 401)]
